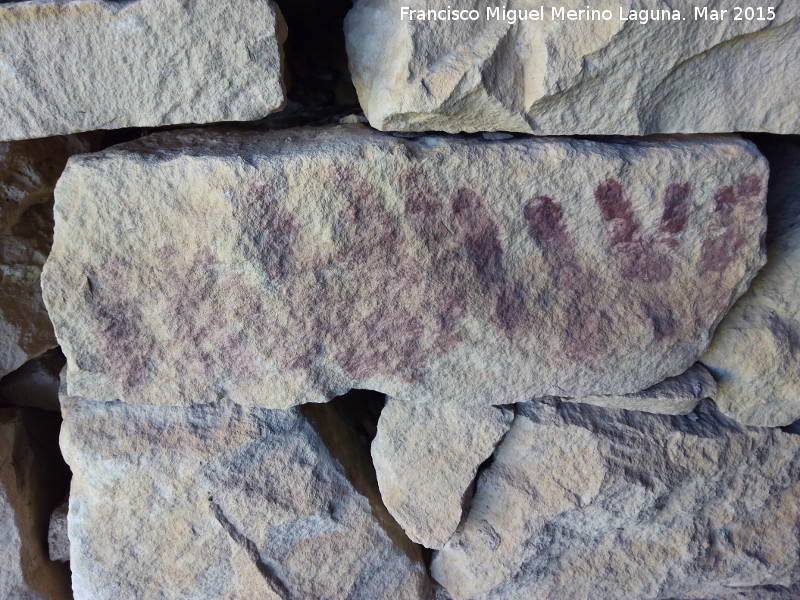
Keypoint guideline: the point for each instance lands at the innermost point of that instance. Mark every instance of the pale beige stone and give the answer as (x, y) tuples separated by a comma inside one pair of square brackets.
[(57, 536), (674, 396), (27, 485), (562, 77), (755, 353), (291, 266), (223, 502), (82, 65), (426, 457), (582, 502)]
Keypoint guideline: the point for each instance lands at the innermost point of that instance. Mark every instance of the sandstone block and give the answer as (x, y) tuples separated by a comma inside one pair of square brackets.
[(426, 458), (583, 502), (755, 353), (221, 502), (84, 65), (559, 77), (291, 266), (674, 396)]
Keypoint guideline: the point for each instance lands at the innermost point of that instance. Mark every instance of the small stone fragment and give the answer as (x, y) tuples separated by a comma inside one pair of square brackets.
[(220, 501), (673, 396), (426, 457), (582, 502), (431, 269), (552, 75), (83, 65), (29, 489), (755, 352), (57, 538)]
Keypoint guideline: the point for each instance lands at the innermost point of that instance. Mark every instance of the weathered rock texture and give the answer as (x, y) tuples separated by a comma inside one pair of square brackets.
[(674, 396), (57, 536), (29, 171), (221, 502), (583, 502), (28, 174), (755, 354), (286, 267), (559, 77), (83, 65), (25, 328), (426, 457), (28, 486)]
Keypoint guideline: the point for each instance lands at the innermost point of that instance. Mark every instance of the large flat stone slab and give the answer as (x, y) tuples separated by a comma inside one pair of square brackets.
[(283, 267), (222, 501), (590, 75), (755, 353), (83, 65), (583, 502)]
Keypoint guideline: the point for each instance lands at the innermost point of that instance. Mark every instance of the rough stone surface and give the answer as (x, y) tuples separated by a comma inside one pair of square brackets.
[(57, 536), (221, 502), (83, 65), (755, 353), (29, 170), (674, 396), (28, 174), (426, 457), (435, 269), (557, 77), (583, 502), (27, 486), (25, 328)]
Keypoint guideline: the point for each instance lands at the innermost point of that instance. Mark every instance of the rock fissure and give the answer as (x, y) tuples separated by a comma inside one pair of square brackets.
[(251, 548)]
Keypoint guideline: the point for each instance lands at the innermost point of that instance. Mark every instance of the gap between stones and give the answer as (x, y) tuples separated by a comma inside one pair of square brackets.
[(347, 426)]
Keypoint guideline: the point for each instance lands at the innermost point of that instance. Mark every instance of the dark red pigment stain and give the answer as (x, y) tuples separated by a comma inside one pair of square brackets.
[(640, 259), (212, 347), (192, 310), (386, 303), (481, 236), (571, 286), (545, 221), (124, 346), (269, 228), (676, 205), (726, 239), (382, 313), (481, 240)]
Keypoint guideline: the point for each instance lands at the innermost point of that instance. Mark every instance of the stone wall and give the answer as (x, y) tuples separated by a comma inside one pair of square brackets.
[(296, 301)]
